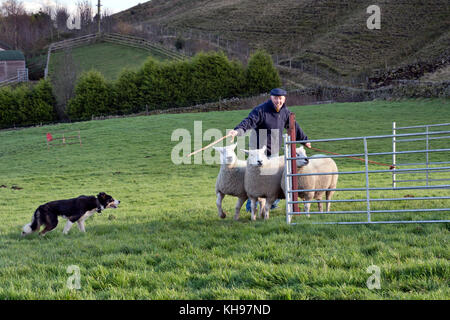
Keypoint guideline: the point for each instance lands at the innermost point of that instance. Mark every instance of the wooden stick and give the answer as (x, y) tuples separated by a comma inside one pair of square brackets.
[(209, 145)]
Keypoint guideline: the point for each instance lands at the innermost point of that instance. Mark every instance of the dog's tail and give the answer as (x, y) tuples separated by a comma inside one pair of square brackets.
[(33, 225)]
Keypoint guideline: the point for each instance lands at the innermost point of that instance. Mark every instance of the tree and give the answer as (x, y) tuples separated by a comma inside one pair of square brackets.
[(92, 97), (22, 31), (38, 104), (85, 11), (12, 10), (63, 80), (127, 97), (107, 20), (47, 11), (8, 108), (61, 16), (262, 75)]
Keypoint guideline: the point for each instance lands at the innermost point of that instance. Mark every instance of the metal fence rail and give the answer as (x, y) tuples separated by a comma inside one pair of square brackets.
[(292, 204), (22, 76), (427, 139)]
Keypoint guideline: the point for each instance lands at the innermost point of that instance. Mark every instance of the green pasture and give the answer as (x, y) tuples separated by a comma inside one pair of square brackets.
[(108, 58), (166, 241)]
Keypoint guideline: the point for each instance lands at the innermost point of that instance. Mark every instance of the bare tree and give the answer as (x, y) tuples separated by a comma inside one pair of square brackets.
[(84, 8), (63, 80), (107, 20), (49, 10), (61, 16), (12, 10)]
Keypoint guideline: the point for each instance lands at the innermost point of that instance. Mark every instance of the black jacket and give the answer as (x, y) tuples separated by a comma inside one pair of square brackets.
[(266, 117)]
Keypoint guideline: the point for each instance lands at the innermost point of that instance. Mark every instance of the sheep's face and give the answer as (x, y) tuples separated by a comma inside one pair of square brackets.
[(301, 154), (227, 154), (256, 157)]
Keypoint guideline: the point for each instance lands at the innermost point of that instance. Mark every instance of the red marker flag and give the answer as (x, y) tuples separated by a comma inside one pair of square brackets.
[(49, 137)]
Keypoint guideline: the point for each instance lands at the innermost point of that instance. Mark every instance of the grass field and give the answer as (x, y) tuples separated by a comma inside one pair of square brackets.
[(108, 58), (166, 241)]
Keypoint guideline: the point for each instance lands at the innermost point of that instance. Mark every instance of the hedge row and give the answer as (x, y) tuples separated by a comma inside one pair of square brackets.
[(27, 105), (205, 78)]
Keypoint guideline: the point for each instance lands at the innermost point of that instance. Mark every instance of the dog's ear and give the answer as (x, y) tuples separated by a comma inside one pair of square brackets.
[(101, 195)]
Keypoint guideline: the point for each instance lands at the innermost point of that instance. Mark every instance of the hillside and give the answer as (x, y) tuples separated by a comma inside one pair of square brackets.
[(440, 75), (332, 35)]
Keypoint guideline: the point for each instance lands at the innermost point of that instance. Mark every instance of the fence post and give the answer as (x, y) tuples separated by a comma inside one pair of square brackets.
[(366, 162), (293, 154), (287, 181), (394, 147), (427, 156)]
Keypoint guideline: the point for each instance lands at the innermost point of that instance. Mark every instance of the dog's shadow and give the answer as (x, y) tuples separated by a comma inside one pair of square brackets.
[(116, 228)]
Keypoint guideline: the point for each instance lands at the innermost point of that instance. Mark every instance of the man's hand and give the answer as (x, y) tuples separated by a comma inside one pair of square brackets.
[(308, 145), (233, 133)]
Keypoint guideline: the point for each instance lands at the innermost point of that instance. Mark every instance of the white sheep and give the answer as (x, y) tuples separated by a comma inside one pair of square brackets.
[(262, 179), (230, 180), (312, 165)]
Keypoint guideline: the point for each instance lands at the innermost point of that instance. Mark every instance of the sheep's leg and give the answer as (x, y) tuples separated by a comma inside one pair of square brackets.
[(307, 206), (318, 196), (219, 200), (267, 207), (262, 203), (329, 195), (238, 207), (307, 196), (253, 213), (320, 205)]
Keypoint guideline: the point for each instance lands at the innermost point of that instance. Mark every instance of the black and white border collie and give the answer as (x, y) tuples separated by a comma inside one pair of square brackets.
[(74, 210)]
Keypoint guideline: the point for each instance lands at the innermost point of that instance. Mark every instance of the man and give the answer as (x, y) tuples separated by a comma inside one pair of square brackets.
[(272, 116)]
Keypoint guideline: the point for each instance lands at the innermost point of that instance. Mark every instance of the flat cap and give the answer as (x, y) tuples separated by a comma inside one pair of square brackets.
[(278, 92)]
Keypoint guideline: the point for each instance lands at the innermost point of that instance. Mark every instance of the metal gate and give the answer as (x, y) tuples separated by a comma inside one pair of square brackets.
[(390, 200), (22, 75), (425, 174)]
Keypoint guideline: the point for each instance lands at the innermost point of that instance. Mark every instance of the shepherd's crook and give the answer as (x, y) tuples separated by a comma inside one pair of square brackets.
[(211, 144)]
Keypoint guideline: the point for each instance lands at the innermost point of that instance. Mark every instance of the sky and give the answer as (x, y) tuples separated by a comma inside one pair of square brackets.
[(114, 6)]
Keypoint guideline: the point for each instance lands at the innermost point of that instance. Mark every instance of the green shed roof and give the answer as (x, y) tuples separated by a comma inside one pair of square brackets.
[(8, 55)]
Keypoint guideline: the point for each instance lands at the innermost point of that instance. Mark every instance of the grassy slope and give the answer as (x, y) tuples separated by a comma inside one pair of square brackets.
[(329, 32), (110, 59), (166, 241)]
